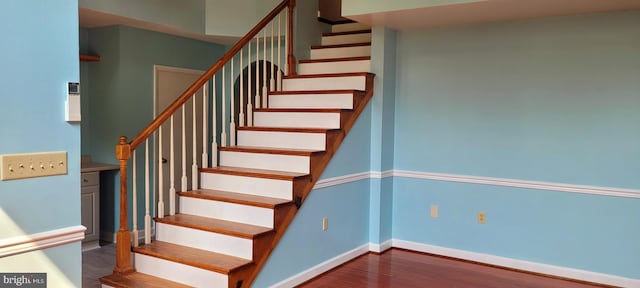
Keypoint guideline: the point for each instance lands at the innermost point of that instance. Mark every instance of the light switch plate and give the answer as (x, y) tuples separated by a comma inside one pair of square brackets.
[(30, 165)]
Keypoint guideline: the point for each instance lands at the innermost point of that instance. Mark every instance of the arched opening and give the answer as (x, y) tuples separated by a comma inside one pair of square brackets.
[(253, 88)]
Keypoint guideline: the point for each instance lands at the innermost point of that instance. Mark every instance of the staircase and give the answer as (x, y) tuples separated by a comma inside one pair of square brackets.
[(223, 233)]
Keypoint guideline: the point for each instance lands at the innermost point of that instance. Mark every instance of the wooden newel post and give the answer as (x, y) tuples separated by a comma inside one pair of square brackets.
[(291, 58), (123, 236)]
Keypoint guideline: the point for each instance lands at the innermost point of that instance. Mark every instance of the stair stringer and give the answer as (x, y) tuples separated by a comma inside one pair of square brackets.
[(285, 215)]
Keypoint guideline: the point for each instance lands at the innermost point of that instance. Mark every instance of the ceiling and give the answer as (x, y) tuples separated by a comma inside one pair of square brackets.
[(92, 19), (437, 16), (490, 11)]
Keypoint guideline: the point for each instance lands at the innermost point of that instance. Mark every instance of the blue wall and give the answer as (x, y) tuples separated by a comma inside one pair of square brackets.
[(39, 55), (121, 94), (552, 100)]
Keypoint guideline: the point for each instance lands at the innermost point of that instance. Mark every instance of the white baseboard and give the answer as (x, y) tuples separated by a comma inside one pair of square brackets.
[(380, 248), (322, 267), (564, 272), (546, 269), (40, 241)]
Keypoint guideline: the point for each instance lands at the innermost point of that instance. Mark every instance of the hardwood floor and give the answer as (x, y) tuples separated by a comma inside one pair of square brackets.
[(400, 268)]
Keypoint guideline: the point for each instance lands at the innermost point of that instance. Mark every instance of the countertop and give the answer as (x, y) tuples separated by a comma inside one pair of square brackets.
[(93, 167)]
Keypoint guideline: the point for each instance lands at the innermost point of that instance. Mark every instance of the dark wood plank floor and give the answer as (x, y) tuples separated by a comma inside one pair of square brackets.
[(401, 268)]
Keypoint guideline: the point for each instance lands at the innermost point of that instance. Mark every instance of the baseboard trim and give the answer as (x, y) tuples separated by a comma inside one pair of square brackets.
[(564, 272), (323, 267), (380, 248), (40, 241), (526, 266)]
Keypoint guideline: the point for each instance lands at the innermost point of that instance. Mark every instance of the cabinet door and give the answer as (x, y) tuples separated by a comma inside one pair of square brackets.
[(89, 200)]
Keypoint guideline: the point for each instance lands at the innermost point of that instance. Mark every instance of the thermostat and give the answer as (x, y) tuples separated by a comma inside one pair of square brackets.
[(72, 104)]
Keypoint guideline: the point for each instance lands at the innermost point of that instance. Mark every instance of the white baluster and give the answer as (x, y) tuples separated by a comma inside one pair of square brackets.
[(272, 81), (214, 125), (257, 102), (160, 213), (147, 199), (232, 122), (135, 200), (241, 115), (249, 82), (205, 126), (183, 179), (223, 136), (265, 90), (286, 43), (194, 145), (279, 75), (172, 169)]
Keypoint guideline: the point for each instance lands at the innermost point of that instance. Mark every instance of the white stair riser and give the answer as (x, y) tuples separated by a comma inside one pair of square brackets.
[(249, 185), (246, 214), (325, 83), (335, 101), (205, 240), (334, 67), (349, 27), (297, 119), (178, 272), (285, 140), (290, 163), (340, 52), (346, 39)]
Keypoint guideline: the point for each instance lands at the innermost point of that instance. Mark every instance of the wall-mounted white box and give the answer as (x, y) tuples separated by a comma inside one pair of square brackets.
[(72, 104)]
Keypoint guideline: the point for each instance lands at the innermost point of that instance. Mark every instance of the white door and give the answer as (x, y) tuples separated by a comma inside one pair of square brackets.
[(170, 83)]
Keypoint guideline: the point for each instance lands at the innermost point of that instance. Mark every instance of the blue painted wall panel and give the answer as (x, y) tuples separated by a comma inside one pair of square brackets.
[(38, 56), (305, 245), (589, 232), (552, 100), (549, 100)]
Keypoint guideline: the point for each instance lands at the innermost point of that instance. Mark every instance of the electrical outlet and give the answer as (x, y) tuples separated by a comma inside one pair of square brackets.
[(482, 217), (325, 224), (434, 211), (30, 165)]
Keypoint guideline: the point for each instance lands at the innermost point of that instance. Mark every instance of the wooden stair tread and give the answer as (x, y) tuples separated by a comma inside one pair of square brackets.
[(204, 259), (238, 198), (230, 228), (346, 32), (329, 75), (286, 129), (139, 280), (289, 92), (359, 58), (271, 150), (306, 110), (251, 172), (341, 45)]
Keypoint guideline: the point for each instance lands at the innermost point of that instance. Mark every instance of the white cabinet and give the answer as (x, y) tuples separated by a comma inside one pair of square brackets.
[(90, 209)]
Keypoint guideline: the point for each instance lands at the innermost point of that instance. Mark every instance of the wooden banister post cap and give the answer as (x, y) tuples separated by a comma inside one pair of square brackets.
[(123, 149)]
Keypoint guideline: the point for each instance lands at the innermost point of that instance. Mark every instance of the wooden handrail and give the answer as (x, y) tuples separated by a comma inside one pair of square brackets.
[(124, 148), (157, 122)]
